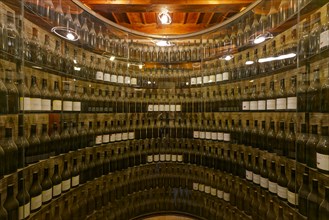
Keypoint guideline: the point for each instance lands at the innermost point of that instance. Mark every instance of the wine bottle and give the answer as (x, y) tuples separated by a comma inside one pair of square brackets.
[(24, 95), (66, 178), (31, 153), (56, 99), (256, 172), (239, 197), (280, 140), (47, 187), (293, 189), (254, 140), (302, 93), (90, 202), (91, 135), (311, 144), (35, 96), (45, 97), (3, 212), (246, 135), (22, 144), (35, 193), (264, 175), (282, 183), (280, 213), (270, 215), (271, 138), (262, 209), (45, 142), (314, 93), (290, 150), (324, 206), (12, 93), (65, 140), (56, 214), (322, 151), (98, 134), (254, 206), (75, 178), (313, 202), (270, 98), (23, 198), (56, 179), (272, 179), (83, 170), (246, 201), (67, 98), (291, 95), (76, 104), (55, 140), (301, 144), (241, 166), (226, 190), (281, 97), (66, 213), (303, 193), (106, 134), (249, 169), (11, 152), (11, 204), (3, 93)]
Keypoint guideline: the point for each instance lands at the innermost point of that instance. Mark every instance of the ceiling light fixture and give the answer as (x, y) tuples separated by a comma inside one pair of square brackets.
[(164, 43), (164, 17), (261, 37), (227, 57), (66, 33)]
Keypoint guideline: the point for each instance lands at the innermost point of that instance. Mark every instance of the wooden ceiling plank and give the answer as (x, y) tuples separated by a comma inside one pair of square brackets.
[(115, 17), (209, 17), (167, 2)]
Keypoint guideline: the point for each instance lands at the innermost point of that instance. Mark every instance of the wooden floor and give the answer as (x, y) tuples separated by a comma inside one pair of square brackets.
[(169, 217)]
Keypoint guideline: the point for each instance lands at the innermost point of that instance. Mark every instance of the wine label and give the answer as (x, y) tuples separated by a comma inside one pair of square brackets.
[(213, 135), (272, 187), (282, 191), (47, 195), (293, 198), (114, 79), (99, 75), (196, 134), (193, 81), (156, 157), (178, 108), (220, 193), (162, 157), (99, 139), (46, 105), (24, 211), (292, 103), (76, 106), (161, 108), (106, 138), (212, 78), (202, 135), (131, 135), (264, 182), (322, 161), (254, 105), (208, 135), (118, 137), (133, 81), (261, 105), (149, 158), (127, 80), (281, 103), (226, 197), (36, 202), (195, 186), (66, 185), (270, 104), (168, 157), (167, 108), (174, 158), (256, 178), (227, 137), (206, 79), (207, 189), (112, 138), (125, 136), (150, 108), (225, 76), (179, 158), (120, 79), (220, 136), (219, 77), (155, 108), (249, 175), (57, 189), (36, 104), (75, 180), (201, 187), (199, 80), (324, 39), (245, 105), (107, 77), (57, 105), (25, 103), (213, 191)]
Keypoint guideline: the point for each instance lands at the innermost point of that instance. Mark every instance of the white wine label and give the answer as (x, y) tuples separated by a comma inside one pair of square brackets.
[(324, 39), (24, 211), (179, 158), (75, 180), (118, 137), (127, 80), (208, 135), (213, 135), (36, 104), (114, 78), (270, 104), (293, 198), (133, 81), (220, 193), (282, 192), (212, 78), (264, 182), (249, 175), (150, 108), (131, 135), (168, 157), (219, 77), (57, 105), (227, 137), (196, 134), (107, 77), (76, 106), (46, 105), (213, 191), (272, 187), (253, 105), (120, 79), (156, 108), (67, 105), (125, 136), (281, 103), (220, 136), (36, 202), (149, 158), (207, 189), (225, 76), (47, 195), (161, 108), (322, 161), (202, 134), (66, 185), (193, 81), (245, 105), (195, 186), (261, 105), (112, 138), (99, 139), (25, 103), (57, 189), (226, 197), (167, 108), (162, 157), (199, 80), (201, 187), (256, 178), (99, 75), (174, 158), (292, 103), (172, 108), (106, 138), (205, 79), (156, 157)]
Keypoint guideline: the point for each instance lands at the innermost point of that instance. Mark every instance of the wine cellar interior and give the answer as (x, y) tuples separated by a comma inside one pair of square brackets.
[(159, 109)]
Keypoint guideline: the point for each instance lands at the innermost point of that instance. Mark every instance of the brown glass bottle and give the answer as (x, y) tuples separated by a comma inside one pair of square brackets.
[(12, 93), (293, 188), (290, 150), (302, 94), (303, 194), (311, 144), (35, 96), (324, 206), (314, 93), (322, 151), (11, 152), (11, 204), (301, 144), (313, 202), (280, 140)]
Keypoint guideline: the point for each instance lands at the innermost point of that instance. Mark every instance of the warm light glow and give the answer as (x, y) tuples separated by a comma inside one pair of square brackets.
[(70, 36), (140, 66), (163, 43), (259, 39), (77, 68), (286, 56), (228, 57), (164, 17), (249, 62), (112, 58)]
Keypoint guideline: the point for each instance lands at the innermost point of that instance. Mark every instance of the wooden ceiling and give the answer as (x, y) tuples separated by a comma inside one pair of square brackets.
[(187, 15)]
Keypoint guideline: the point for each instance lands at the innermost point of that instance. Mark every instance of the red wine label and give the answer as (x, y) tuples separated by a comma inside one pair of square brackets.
[(99, 139), (112, 138), (219, 77), (99, 75), (36, 202), (106, 138), (107, 77), (254, 105), (220, 136), (196, 134), (208, 135), (202, 135), (227, 137), (213, 191), (324, 39), (46, 105), (225, 75), (25, 103), (131, 135), (118, 137), (213, 135), (57, 105), (168, 157), (162, 157), (156, 157), (76, 106), (245, 105)]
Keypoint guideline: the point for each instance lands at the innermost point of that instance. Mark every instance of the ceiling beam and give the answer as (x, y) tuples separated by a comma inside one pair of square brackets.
[(166, 2)]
